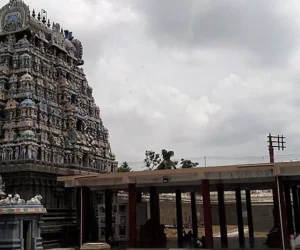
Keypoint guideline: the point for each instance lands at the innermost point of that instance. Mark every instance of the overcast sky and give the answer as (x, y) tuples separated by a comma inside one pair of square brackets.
[(202, 78)]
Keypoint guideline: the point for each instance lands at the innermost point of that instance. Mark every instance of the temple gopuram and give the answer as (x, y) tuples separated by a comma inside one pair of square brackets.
[(49, 123)]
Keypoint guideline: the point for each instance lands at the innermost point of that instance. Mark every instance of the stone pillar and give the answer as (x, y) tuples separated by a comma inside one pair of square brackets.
[(154, 211), (239, 213), (179, 219), (289, 210), (283, 217), (132, 215), (153, 202), (82, 201), (108, 214), (276, 208), (47, 187), (207, 214), (194, 214), (249, 215), (296, 208), (222, 215)]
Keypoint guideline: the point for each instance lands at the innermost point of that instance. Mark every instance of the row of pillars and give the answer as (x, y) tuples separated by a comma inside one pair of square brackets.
[(154, 214), (222, 215), (289, 212), (282, 201), (134, 197), (288, 216)]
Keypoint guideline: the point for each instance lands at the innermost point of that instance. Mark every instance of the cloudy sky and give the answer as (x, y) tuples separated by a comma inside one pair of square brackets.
[(203, 78)]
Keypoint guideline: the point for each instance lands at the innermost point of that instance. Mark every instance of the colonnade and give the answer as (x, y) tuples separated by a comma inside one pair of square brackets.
[(289, 212)]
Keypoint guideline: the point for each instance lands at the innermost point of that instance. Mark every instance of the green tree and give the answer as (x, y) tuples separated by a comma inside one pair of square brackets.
[(124, 168), (167, 163), (152, 160), (188, 164)]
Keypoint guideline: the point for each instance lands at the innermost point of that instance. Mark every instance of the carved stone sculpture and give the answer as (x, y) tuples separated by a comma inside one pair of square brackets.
[(4, 154), (17, 200), (36, 200), (17, 152), (7, 200), (23, 152), (2, 188), (10, 153)]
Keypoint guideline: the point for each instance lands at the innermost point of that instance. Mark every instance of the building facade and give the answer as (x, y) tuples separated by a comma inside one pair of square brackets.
[(50, 124)]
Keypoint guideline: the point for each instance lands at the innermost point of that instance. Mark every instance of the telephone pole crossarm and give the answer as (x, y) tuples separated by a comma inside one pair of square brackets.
[(275, 142)]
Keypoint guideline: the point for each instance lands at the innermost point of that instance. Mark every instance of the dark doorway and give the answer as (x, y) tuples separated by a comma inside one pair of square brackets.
[(79, 125), (27, 235), (85, 159), (73, 99)]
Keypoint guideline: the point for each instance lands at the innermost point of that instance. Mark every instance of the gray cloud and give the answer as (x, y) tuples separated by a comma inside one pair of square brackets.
[(260, 27)]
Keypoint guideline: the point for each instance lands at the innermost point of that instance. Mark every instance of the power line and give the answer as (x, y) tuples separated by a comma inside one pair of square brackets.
[(263, 157)]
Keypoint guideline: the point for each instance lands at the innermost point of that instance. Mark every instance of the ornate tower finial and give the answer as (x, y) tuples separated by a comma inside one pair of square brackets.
[(33, 13), (44, 20), (49, 24), (39, 16), (12, 2)]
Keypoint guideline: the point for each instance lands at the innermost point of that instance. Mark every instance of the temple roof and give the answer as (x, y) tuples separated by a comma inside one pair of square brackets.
[(27, 102), (26, 77), (28, 135), (15, 17)]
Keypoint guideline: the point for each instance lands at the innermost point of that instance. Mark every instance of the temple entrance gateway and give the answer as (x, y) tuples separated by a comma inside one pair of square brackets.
[(50, 124)]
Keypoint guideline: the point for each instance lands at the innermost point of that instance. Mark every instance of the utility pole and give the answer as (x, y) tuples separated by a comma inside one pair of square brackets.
[(279, 211), (275, 142)]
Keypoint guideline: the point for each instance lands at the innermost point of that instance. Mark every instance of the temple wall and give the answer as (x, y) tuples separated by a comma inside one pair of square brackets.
[(262, 214)]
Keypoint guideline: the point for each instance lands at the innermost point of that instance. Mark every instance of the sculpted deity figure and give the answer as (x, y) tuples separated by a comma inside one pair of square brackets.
[(23, 151), (54, 155), (61, 159), (105, 168), (29, 151), (79, 157), (33, 113), (10, 154), (70, 158), (92, 162), (17, 153), (34, 153), (2, 187), (7, 135), (65, 156), (12, 135), (4, 154), (46, 155), (42, 155), (57, 160)]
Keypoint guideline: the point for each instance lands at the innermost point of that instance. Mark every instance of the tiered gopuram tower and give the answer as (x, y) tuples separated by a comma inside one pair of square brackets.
[(49, 122)]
